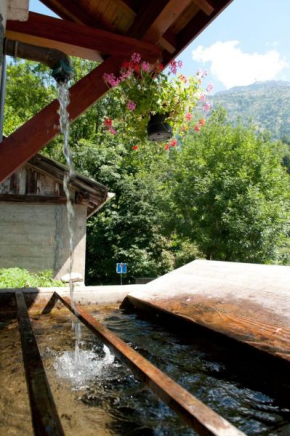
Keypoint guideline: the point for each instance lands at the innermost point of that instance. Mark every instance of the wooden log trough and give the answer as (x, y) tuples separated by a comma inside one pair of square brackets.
[(248, 303)]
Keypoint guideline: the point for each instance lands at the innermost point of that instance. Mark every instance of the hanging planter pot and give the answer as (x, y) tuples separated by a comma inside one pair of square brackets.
[(157, 129)]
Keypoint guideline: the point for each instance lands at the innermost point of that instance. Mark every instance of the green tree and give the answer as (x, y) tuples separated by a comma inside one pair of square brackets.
[(231, 193)]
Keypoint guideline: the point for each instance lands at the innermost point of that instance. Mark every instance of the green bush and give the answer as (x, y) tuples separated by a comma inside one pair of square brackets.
[(21, 278)]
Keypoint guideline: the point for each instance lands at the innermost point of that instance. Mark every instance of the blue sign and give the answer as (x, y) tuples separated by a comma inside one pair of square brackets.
[(121, 268)]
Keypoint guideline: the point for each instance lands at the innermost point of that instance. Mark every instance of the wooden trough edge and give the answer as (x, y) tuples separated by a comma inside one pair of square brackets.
[(196, 414), (279, 360), (44, 414)]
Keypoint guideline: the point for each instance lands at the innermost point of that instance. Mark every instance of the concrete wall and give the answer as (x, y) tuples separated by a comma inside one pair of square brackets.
[(35, 236)]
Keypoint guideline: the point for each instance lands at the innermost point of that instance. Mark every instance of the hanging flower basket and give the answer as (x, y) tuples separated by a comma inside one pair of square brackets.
[(151, 105), (157, 129)]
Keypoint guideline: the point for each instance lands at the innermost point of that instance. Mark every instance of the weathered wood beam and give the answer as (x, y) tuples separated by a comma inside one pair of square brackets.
[(45, 418), (25, 142), (32, 198), (80, 37), (205, 6)]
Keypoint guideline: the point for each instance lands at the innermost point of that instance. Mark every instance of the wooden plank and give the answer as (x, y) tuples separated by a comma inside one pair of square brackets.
[(205, 6), (168, 41), (79, 36), (149, 13), (25, 142), (32, 199), (196, 414), (45, 418), (246, 302), (165, 19), (69, 49), (71, 11)]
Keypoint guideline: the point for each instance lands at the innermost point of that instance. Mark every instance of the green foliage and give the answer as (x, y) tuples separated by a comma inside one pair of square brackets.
[(129, 228), (21, 278), (221, 194), (231, 194), (28, 89)]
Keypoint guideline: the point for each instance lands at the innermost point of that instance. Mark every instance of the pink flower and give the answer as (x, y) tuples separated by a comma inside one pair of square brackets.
[(112, 131), (135, 147), (111, 79), (209, 87), (197, 128), (199, 72), (182, 78), (173, 143), (131, 105), (202, 97), (166, 147), (136, 57), (145, 67), (204, 74), (125, 75), (202, 121), (206, 107), (188, 117), (174, 65)]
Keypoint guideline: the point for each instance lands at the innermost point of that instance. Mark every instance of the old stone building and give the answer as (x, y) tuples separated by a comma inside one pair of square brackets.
[(33, 217)]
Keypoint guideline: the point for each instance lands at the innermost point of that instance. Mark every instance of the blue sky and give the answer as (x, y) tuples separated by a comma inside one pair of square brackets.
[(248, 42)]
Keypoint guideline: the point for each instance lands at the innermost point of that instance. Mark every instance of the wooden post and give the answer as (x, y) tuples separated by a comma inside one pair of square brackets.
[(45, 418)]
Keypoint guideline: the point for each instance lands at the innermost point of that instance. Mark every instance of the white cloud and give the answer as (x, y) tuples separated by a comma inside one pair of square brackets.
[(233, 67)]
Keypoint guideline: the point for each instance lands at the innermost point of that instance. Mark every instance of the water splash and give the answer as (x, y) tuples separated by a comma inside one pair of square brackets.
[(63, 97), (88, 366)]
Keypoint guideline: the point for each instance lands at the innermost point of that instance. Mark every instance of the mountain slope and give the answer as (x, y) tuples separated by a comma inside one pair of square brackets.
[(266, 103)]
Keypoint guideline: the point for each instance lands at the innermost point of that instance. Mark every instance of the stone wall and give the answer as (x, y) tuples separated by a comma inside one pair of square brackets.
[(35, 236)]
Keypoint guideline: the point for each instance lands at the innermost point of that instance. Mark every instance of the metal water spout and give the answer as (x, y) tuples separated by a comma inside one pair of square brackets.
[(58, 61)]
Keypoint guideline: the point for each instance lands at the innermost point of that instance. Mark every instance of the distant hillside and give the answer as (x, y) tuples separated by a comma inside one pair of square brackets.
[(266, 103)]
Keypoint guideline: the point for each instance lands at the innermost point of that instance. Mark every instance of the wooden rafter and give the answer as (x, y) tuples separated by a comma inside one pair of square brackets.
[(149, 12), (23, 144), (165, 19), (70, 11), (198, 23), (83, 41), (205, 6)]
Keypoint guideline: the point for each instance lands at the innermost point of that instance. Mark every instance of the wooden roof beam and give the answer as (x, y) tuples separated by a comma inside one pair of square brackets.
[(205, 6), (191, 31), (70, 11), (165, 19), (76, 39), (30, 138)]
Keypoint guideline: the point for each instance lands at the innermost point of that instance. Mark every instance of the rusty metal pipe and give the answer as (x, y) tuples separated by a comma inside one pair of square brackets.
[(196, 414), (58, 61)]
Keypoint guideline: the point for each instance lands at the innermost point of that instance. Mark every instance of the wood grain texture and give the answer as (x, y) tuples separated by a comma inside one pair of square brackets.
[(247, 302), (96, 40)]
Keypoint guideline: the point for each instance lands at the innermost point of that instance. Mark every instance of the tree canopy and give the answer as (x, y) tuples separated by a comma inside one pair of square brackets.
[(221, 193)]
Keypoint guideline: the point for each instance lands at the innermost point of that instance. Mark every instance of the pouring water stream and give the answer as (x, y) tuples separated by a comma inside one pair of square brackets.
[(63, 97)]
